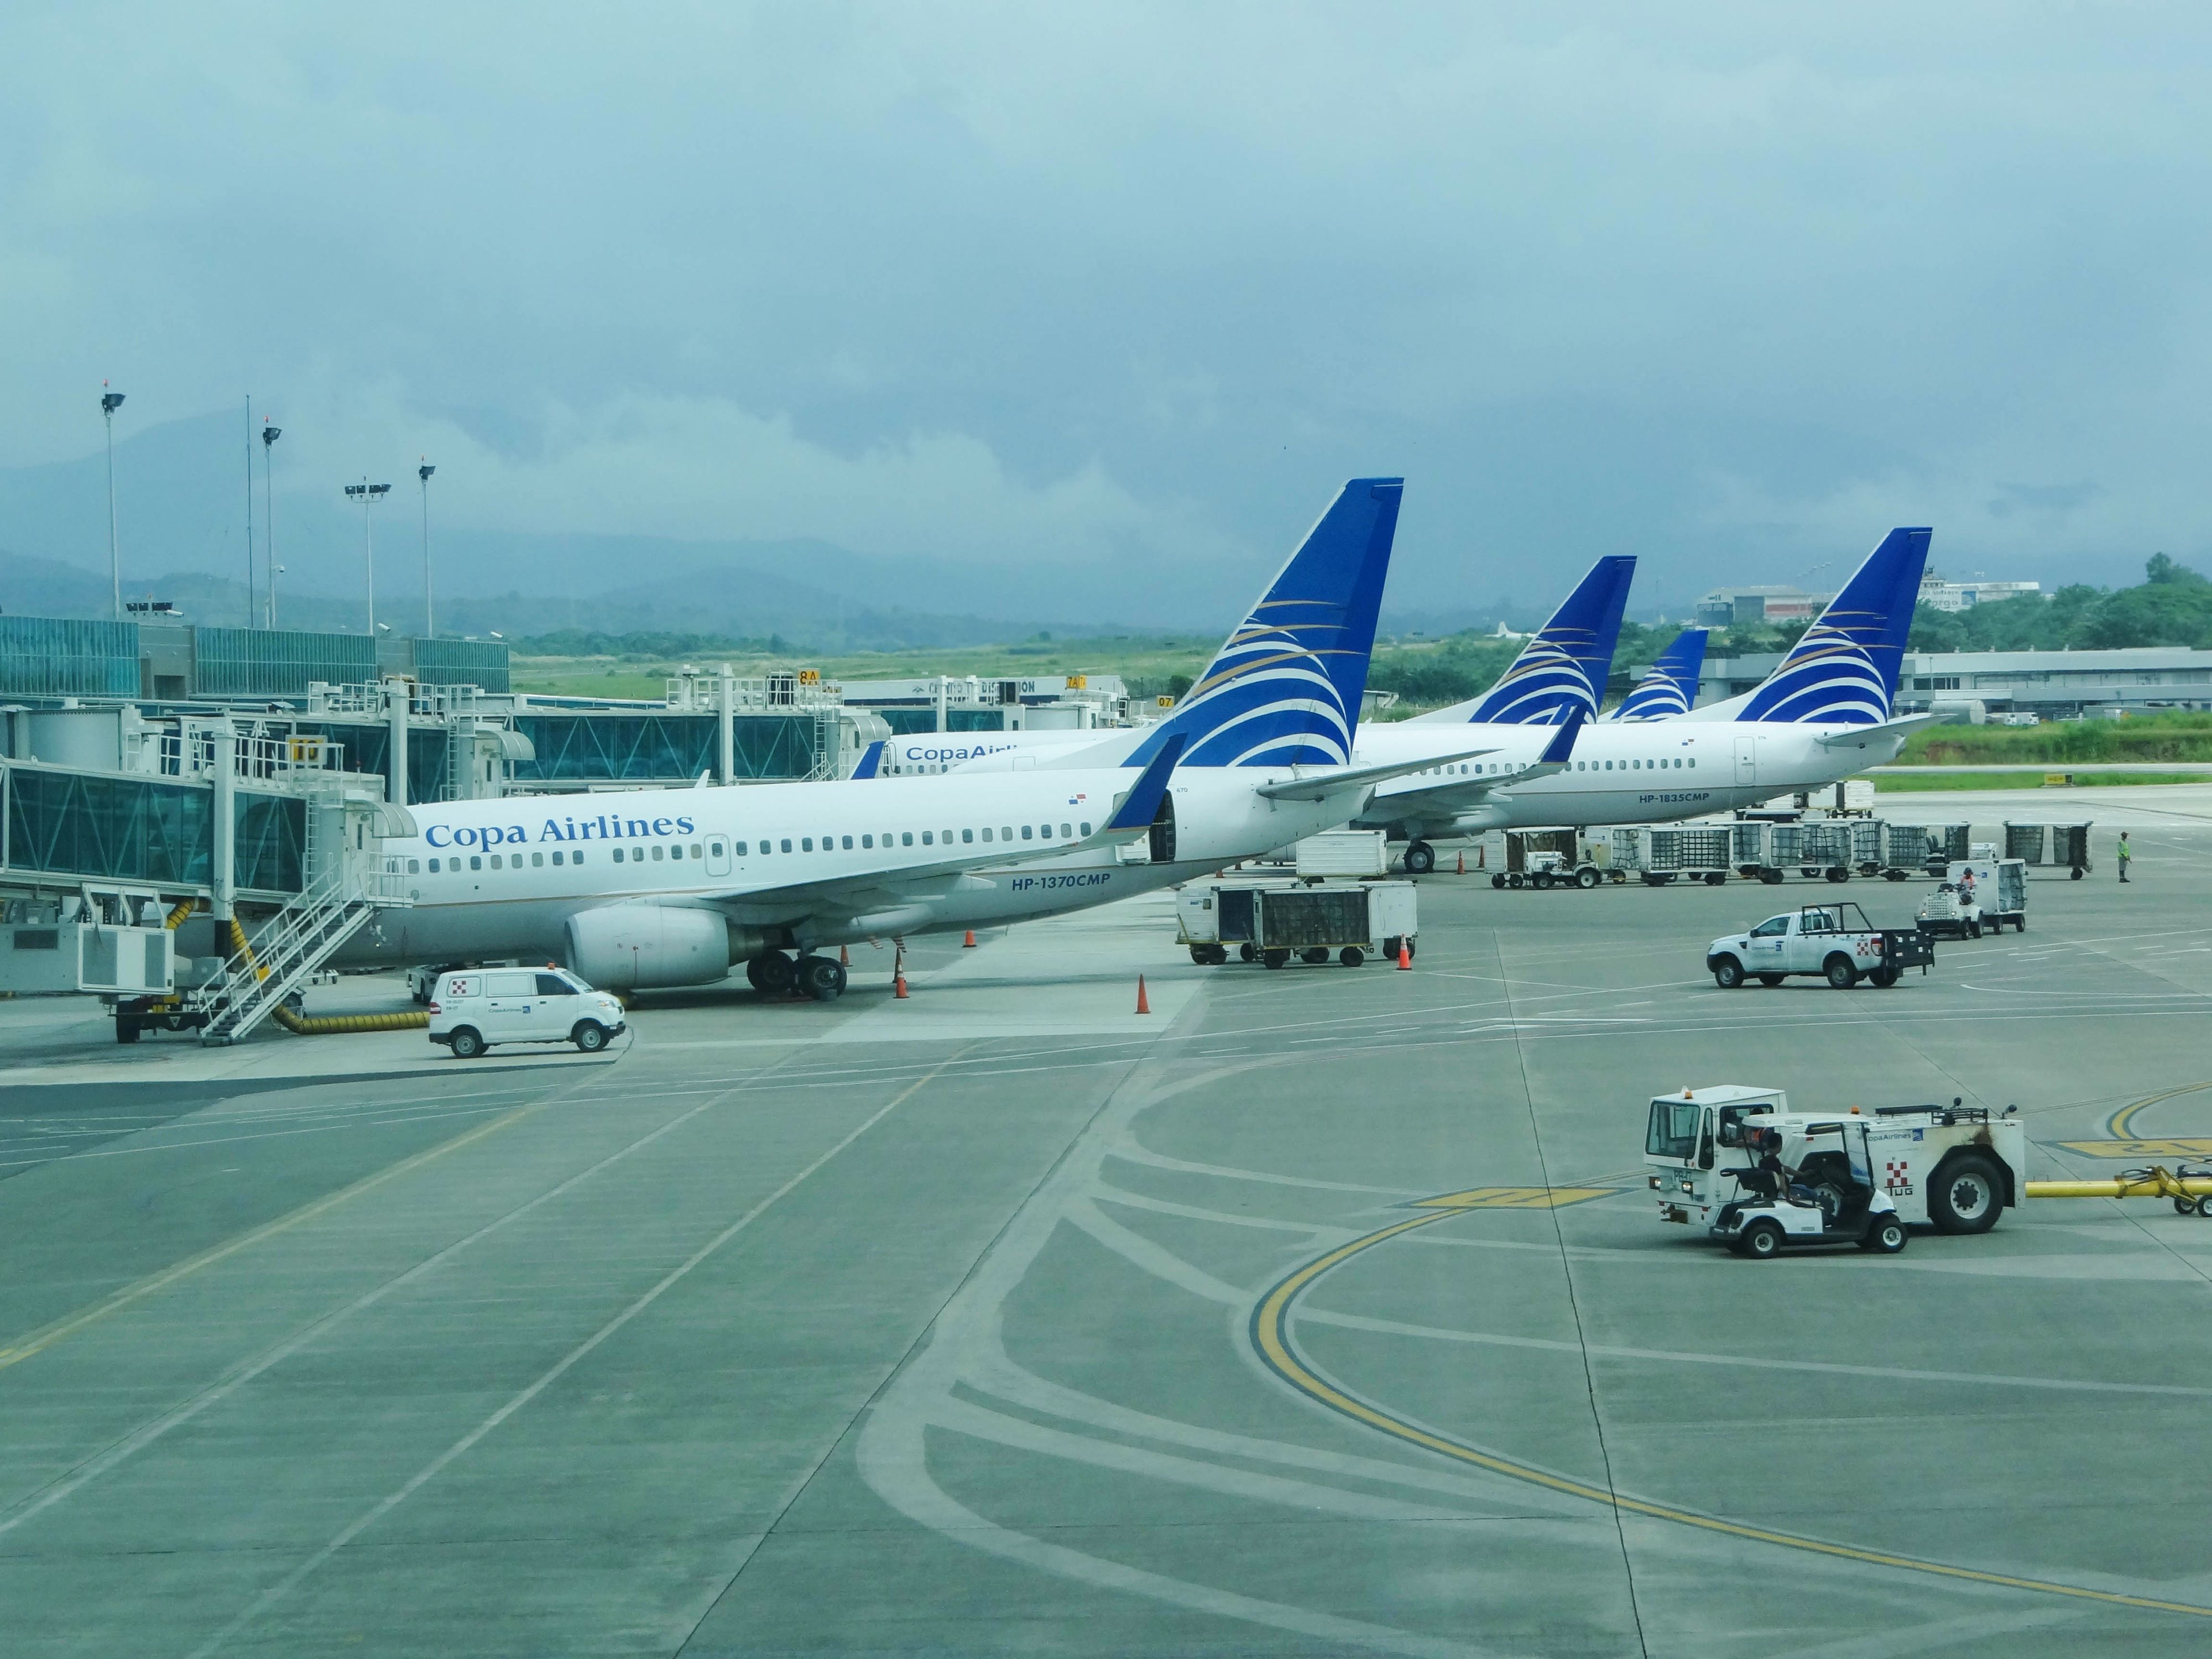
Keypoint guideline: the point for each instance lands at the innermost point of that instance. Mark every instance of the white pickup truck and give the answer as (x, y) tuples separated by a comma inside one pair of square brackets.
[(1834, 940)]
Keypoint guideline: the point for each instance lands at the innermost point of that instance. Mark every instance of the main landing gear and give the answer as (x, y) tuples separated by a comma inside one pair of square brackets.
[(773, 974), (1420, 858)]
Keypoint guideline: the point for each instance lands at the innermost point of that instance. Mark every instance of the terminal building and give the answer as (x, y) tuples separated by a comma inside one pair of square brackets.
[(1974, 685)]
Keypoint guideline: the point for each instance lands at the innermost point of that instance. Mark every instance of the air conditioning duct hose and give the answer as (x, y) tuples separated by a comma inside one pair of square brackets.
[(328, 1024)]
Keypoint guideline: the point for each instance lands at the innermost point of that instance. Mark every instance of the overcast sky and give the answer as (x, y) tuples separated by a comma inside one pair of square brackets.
[(1733, 287)]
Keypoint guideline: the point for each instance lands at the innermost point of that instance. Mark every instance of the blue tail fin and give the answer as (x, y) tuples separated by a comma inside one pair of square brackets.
[(1844, 671), (1672, 685), (1286, 686), (872, 760), (1566, 665)]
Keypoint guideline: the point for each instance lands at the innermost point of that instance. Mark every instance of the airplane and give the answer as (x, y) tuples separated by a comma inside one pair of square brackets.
[(655, 888), (1826, 712), (1671, 686)]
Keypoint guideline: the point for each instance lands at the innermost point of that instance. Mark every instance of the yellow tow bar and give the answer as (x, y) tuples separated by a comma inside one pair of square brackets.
[(2154, 1182)]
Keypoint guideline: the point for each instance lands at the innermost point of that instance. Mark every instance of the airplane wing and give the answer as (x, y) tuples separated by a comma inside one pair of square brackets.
[(1319, 786), (869, 890), (1459, 794)]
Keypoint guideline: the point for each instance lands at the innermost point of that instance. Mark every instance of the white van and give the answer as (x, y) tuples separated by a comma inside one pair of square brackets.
[(475, 1007)]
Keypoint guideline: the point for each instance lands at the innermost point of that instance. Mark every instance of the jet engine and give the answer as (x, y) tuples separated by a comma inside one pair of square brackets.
[(643, 946)]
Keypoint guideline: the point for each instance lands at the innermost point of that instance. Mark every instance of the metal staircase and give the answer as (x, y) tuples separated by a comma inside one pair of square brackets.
[(291, 945)]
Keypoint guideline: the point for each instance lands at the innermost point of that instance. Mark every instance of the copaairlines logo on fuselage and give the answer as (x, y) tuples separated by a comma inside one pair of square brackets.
[(604, 827)]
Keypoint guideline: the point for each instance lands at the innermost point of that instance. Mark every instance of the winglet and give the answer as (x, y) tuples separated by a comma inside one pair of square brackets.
[(1561, 748), (1142, 803), (872, 761)]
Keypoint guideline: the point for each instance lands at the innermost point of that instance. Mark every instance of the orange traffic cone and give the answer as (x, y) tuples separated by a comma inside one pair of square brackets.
[(1143, 1006), (1462, 861), (898, 974), (969, 944), (1405, 956)]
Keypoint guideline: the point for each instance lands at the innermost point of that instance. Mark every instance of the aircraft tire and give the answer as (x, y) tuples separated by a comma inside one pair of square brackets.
[(1420, 858)]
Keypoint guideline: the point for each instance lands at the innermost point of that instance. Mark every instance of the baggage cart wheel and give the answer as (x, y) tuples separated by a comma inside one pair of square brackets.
[(1541, 881), (1884, 977), (1886, 1236), (1245, 952), (1275, 958), (1840, 972), (1713, 879), (126, 1029), (1314, 957), (1770, 979), (1839, 873), (1728, 973), (1974, 928), (2078, 873), (2204, 1206), (1352, 956), (2184, 1207), (1619, 877), (1497, 881), (1771, 878), (1966, 1195), (1200, 956), (1761, 1241), (1516, 880)]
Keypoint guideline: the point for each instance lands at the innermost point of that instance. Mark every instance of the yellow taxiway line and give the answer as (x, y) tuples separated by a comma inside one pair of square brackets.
[(1270, 1337)]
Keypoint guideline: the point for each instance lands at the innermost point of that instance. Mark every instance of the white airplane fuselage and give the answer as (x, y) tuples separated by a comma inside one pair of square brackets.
[(496, 890)]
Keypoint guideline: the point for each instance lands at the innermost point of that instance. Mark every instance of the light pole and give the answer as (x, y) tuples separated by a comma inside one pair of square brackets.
[(109, 403), (270, 434), (250, 606), (368, 496), (429, 626)]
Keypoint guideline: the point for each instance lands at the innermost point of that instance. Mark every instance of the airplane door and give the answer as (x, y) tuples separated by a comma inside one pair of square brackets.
[(1163, 847), (1747, 758), (718, 855)]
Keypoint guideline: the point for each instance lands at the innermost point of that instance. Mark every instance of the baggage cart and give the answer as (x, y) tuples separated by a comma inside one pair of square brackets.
[(1689, 853), (1270, 922), (2067, 844), (1751, 851), (1999, 890), (1545, 858), (1359, 854)]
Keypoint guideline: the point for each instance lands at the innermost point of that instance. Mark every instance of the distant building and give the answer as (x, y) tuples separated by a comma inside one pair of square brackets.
[(2055, 685), (1726, 607), (1939, 595)]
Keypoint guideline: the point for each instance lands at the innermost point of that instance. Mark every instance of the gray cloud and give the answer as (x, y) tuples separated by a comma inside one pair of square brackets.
[(991, 286)]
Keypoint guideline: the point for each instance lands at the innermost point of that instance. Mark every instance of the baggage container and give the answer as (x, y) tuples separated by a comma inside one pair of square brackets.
[(1357, 853), (1693, 854), (2068, 845), (1270, 922)]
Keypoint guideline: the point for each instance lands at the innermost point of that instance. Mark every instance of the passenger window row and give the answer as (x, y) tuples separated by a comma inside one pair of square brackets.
[(830, 843), (1639, 766)]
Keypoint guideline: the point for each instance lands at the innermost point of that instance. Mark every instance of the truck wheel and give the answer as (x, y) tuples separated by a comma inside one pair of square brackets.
[(1587, 877), (1886, 1236), (1761, 1241), (1352, 956), (1770, 981), (1728, 973), (466, 1043), (1497, 881), (1884, 977), (589, 1037), (1840, 973), (1275, 958), (1420, 858), (1966, 1195), (1315, 958)]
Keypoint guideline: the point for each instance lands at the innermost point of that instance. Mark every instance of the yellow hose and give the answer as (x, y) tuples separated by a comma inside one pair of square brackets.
[(331, 1025), (328, 1024), (175, 918)]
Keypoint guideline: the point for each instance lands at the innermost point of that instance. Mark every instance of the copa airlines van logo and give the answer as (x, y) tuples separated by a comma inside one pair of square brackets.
[(1828, 678), (602, 827), (1547, 683), (1267, 700), (1659, 696)]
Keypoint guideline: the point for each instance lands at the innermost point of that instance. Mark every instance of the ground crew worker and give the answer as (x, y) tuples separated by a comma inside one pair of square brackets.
[(2126, 853)]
